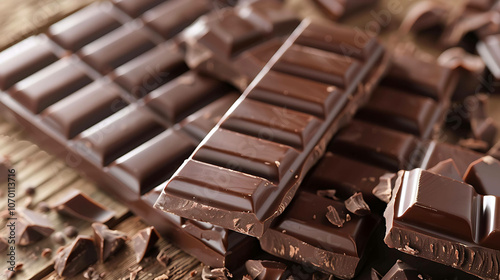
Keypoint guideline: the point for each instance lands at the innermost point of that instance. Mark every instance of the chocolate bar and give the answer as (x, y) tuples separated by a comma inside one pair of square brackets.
[(446, 221), (112, 98), (336, 9), (234, 44), (247, 170)]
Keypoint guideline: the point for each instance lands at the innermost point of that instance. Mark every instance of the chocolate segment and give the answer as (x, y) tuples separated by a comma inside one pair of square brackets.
[(450, 235), (144, 241), (75, 257), (269, 166), (31, 227), (83, 207), (107, 241), (265, 270)]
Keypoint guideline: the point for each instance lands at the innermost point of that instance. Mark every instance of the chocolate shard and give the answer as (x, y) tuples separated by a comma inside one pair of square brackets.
[(484, 175), (213, 274), (327, 193), (81, 206), (75, 257), (445, 221), (446, 168), (265, 270), (107, 241), (403, 271), (31, 227), (357, 205), (144, 241), (333, 216), (384, 188)]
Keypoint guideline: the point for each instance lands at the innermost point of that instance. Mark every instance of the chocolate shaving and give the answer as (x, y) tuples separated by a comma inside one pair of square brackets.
[(79, 205), (383, 190), (357, 205), (134, 272), (31, 227), (107, 241), (333, 217), (163, 258), (213, 274), (144, 241), (92, 274), (75, 257), (327, 193)]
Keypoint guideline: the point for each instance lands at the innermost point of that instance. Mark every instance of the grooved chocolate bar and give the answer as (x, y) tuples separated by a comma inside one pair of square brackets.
[(248, 168), (446, 221), (112, 98), (234, 44)]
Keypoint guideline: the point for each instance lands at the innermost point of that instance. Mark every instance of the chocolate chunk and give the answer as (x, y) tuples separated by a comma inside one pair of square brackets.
[(483, 127), (403, 271), (31, 227), (484, 175), (213, 274), (452, 224), (70, 231), (265, 270), (107, 241), (144, 241), (75, 257), (58, 238), (81, 206), (447, 168), (383, 190), (164, 259), (333, 217), (357, 205), (327, 193)]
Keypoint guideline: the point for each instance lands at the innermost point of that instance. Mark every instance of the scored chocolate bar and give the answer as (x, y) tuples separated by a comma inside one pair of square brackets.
[(234, 44), (248, 168), (446, 221), (116, 101)]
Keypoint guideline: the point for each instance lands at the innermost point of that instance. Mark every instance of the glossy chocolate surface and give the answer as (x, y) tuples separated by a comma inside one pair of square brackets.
[(75, 257), (266, 145), (81, 206)]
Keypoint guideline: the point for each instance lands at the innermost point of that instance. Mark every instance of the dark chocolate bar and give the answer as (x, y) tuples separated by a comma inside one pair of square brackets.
[(247, 170), (234, 44), (115, 100), (446, 221)]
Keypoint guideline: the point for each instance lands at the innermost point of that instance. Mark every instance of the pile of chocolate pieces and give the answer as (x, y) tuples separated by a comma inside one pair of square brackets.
[(271, 146)]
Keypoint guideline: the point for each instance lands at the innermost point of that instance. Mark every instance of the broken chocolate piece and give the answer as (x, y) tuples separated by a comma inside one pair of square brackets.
[(213, 274), (484, 175), (357, 205), (143, 242), (446, 168), (402, 271), (107, 241), (383, 190), (483, 127), (333, 217), (81, 206), (75, 257), (31, 227), (265, 270)]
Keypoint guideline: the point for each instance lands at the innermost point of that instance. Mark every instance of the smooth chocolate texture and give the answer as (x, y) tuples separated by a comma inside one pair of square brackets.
[(484, 175), (107, 241), (75, 257), (31, 227), (247, 170), (265, 270), (136, 8), (451, 235), (447, 168), (436, 152), (143, 242), (232, 43), (81, 206)]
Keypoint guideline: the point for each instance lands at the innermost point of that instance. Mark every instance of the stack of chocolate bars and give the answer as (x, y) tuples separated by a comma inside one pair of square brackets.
[(258, 141)]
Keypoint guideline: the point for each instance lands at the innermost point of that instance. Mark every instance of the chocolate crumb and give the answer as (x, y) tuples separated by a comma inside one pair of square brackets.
[(409, 250), (134, 272), (18, 267), (327, 193), (44, 207), (247, 277), (347, 217), (70, 231), (333, 217), (162, 277), (357, 205), (47, 252), (193, 273), (213, 274), (163, 258), (58, 238), (30, 191)]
